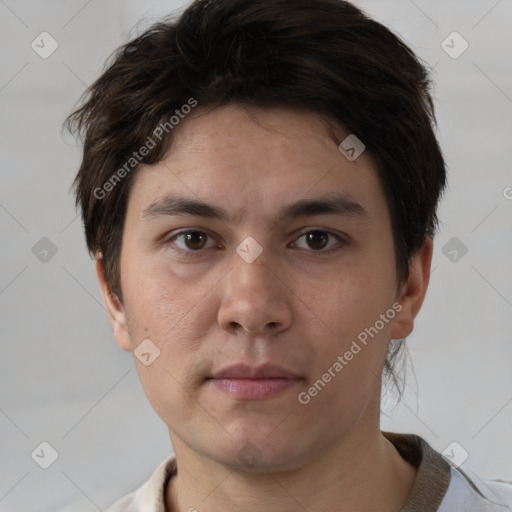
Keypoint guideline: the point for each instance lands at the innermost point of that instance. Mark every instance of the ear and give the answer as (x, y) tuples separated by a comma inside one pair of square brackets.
[(412, 293), (115, 309)]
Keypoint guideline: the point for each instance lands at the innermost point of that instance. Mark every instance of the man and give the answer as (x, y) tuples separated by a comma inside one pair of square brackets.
[(259, 189)]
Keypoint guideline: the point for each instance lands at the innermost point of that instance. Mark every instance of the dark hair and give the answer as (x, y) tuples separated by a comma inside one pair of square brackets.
[(325, 56)]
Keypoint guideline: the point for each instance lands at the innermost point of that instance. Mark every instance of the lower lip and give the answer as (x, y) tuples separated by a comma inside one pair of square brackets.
[(254, 389)]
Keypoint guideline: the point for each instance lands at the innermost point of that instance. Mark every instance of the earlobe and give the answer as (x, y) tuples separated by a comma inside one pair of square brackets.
[(115, 309), (414, 290)]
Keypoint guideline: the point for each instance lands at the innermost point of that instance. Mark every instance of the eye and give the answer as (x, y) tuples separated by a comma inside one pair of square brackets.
[(318, 240), (192, 241)]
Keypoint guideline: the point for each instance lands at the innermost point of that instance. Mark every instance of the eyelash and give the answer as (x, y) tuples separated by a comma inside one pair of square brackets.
[(191, 253)]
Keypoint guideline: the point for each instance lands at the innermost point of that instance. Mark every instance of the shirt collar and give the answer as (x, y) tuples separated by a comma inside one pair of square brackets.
[(427, 493)]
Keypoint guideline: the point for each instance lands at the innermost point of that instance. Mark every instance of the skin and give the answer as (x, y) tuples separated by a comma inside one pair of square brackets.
[(296, 305)]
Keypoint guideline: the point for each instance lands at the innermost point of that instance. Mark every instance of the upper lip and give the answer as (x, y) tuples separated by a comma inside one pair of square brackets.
[(245, 371)]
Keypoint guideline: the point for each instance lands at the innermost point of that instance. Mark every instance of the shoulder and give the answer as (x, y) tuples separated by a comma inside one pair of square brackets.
[(501, 490), (442, 487), (465, 495), (150, 496)]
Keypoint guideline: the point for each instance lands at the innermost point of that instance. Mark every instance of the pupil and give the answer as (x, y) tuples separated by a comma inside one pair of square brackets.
[(317, 239)]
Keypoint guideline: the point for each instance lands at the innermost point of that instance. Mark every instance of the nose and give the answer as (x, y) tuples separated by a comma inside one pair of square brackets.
[(256, 298)]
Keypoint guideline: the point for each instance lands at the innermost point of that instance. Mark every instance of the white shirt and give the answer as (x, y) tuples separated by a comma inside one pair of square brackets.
[(461, 497), (439, 487)]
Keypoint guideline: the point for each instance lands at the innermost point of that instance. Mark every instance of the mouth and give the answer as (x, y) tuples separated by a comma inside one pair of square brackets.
[(245, 382)]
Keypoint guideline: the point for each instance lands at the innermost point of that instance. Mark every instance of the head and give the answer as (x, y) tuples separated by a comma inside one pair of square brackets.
[(243, 106)]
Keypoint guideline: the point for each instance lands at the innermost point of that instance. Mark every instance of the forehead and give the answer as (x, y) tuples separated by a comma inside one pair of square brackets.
[(239, 134), (258, 158)]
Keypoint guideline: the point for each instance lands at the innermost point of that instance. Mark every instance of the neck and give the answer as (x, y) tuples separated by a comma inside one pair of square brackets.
[(362, 473)]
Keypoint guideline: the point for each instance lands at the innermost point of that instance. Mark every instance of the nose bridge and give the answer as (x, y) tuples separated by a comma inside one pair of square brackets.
[(254, 276), (254, 298)]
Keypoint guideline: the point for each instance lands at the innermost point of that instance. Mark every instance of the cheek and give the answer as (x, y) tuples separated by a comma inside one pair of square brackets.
[(176, 313), (157, 298), (352, 308), (350, 347), (175, 319), (349, 301)]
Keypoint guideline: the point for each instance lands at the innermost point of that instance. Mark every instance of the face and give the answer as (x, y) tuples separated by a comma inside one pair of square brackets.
[(289, 271)]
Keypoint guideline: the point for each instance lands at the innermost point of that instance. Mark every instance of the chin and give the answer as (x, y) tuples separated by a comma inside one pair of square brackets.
[(261, 456)]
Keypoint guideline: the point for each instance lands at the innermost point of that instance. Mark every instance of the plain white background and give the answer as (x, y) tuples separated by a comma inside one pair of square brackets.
[(64, 380)]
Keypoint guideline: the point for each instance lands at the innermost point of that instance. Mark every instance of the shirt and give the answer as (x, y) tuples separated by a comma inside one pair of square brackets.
[(438, 487)]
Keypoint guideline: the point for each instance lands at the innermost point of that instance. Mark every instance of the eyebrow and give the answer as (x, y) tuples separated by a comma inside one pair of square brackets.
[(341, 205)]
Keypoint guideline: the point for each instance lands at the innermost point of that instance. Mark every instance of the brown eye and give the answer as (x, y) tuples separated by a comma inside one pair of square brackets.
[(191, 241), (317, 239), (195, 240)]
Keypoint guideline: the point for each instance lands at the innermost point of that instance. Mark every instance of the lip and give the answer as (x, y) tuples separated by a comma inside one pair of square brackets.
[(245, 382), (246, 371)]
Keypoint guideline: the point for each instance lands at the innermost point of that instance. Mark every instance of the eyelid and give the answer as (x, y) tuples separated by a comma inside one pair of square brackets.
[(342, 239), (167, 239)]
